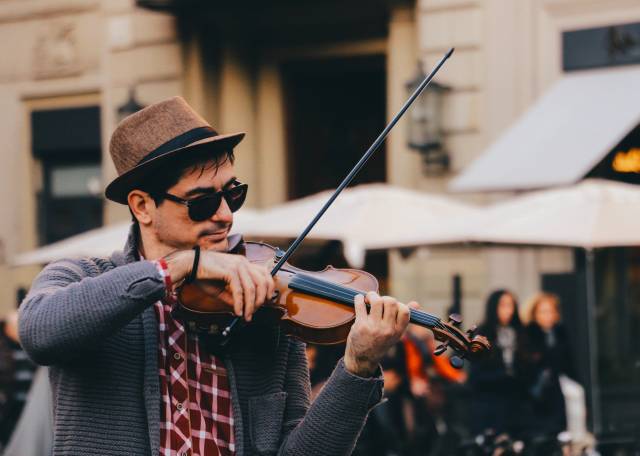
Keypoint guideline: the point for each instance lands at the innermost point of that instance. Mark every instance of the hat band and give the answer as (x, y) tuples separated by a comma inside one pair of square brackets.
[(180, 141)]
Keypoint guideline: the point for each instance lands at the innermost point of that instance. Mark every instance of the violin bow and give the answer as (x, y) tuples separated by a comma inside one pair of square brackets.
[(282, 257)]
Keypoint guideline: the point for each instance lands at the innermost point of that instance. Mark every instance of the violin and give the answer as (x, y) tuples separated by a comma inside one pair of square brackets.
[(318, 307), (315, 306)]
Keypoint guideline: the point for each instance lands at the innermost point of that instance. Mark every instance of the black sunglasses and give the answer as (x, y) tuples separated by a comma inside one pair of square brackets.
[(203, 207)]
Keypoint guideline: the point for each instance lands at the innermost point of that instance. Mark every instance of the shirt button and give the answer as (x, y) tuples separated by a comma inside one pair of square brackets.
[(177, 356), (179, 407)]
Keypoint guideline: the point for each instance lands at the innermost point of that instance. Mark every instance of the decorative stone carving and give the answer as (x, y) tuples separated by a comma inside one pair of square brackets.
[(56, 51)]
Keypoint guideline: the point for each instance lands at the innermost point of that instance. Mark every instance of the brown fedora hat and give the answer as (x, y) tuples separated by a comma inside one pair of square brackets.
[(144, 141)]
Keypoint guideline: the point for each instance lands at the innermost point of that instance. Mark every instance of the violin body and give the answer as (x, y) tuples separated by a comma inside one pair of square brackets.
[(313, 306), (311, 318)]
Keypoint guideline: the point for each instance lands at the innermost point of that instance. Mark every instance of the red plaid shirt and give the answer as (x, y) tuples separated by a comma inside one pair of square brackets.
[(196, 417)]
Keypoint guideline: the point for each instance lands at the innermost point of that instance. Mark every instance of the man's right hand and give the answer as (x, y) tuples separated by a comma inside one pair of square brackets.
[(250, 285)]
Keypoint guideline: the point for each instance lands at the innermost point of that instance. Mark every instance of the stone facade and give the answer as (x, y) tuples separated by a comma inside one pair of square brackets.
[(61, 53), (70, 53)]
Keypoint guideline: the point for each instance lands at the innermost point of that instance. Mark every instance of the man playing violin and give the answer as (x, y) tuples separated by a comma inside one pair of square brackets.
[(129, 376)]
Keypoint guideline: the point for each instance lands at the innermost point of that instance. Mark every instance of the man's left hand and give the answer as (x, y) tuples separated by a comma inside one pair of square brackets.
[(374, 332)]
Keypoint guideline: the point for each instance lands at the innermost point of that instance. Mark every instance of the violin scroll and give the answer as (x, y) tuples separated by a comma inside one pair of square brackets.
[(465, 344)]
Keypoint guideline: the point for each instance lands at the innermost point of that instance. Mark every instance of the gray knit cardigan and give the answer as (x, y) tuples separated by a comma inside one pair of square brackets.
[(93, 322)]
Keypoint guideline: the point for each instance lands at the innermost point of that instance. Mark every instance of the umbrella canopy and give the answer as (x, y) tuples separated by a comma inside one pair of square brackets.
[(370, 216), (594, 213), (98, 242), (102, 242)]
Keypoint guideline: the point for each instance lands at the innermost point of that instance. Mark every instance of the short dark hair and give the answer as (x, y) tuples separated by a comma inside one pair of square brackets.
[(175, 168)]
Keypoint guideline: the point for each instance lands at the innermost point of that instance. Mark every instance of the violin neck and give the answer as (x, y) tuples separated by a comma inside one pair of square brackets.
[(423, 319), (345, 295)]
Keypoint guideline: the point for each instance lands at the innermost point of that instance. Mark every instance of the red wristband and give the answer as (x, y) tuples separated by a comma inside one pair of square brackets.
[(163, 268)]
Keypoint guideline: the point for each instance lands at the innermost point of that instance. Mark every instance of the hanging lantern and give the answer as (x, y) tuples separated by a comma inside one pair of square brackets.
[(131, 106), (425, 124)]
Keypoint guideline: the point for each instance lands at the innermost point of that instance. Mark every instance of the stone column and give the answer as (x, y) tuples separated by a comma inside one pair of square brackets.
[(403, 165), (271, 141), (237, 113)]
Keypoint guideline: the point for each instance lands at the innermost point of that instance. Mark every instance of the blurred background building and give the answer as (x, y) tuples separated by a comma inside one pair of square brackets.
[(313, 83)]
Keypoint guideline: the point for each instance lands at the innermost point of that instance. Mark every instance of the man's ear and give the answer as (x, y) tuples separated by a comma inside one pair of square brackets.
[(142, 206)]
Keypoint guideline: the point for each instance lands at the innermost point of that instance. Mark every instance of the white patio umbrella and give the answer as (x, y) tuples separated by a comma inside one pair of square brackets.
[(103, 241), (591, 214), (370, 216), (98, 242)]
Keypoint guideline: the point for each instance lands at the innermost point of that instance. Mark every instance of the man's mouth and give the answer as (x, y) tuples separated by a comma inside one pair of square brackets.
[(216, 235)]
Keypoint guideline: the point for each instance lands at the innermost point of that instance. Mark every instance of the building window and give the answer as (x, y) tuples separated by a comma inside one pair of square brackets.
[(66, 142)]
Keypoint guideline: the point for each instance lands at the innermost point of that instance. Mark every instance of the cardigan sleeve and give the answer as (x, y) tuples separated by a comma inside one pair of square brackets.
[(70, 308), (331, 425)]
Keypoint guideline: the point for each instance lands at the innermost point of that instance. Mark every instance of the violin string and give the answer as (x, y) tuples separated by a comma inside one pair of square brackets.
[(348, 293), (322, 285), (416, 315), (347, 296), (323, 290)]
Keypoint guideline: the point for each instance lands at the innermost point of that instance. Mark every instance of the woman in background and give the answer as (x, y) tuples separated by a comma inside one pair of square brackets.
[(497, 391), (401, 425), (547, 354)]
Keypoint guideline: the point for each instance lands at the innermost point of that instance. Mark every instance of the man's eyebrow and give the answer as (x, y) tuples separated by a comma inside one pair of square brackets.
[(208, 190)]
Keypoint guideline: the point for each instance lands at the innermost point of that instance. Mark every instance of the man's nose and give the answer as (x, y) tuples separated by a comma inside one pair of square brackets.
[(223, 214)]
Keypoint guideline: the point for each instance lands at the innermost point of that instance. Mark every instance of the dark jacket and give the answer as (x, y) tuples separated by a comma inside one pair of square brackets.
[(544, 363), (93, 321), (497, 391)]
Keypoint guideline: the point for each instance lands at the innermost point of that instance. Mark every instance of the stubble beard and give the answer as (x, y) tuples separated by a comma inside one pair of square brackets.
[(175, 241)]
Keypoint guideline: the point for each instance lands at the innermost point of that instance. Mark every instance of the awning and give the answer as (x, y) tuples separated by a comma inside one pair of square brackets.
[(561, 137)]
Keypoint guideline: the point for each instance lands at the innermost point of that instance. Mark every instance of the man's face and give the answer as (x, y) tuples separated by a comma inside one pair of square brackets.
[(171, 221)]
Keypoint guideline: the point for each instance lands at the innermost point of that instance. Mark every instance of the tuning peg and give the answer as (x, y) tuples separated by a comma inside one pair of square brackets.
[(455, 319), (456, 362), (471, 331), (440, 349)]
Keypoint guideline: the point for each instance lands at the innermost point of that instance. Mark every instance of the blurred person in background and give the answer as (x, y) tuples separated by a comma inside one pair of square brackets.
[(497, 393), (401, 425), (423, 365), (16, 375), (437, 386), (33, 434), (547, 355)]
